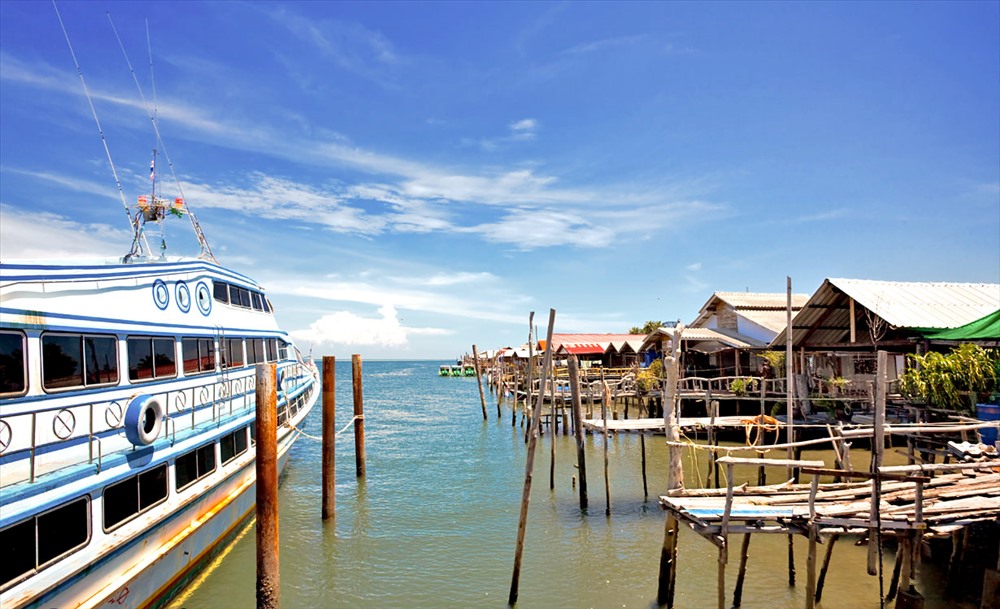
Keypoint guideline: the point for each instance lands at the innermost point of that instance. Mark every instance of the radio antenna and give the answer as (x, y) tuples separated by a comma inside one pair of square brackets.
[(206, 251), (107, 151)]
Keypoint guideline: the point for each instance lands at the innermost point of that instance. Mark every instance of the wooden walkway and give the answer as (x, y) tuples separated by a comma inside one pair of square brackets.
[(901, 501), (658, 426)]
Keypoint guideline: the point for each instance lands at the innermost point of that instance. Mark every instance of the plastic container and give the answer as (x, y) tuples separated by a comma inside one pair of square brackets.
[(988, 412)]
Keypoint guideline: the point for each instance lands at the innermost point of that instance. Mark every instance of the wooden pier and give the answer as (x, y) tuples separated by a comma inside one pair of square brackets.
[(903, 502)]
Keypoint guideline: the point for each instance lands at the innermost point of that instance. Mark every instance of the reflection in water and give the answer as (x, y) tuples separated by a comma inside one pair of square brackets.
[(434, 523)]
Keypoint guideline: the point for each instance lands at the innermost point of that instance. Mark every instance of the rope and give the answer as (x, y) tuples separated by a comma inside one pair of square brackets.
[(359, 417)]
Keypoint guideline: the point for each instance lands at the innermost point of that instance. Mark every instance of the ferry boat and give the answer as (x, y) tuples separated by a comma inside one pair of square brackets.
[(127, 410)]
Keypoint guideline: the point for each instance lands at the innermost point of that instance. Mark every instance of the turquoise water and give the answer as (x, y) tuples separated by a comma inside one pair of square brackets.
[(433, 524)]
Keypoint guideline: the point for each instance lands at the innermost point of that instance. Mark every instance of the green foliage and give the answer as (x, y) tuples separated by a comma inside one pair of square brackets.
[(946, 380), (648, 378), (648, 328), (776, 359), (740, 387)]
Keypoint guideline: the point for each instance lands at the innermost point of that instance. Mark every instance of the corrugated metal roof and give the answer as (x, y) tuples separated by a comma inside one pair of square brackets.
[(775, 321), (825, 319), (704, 339), (760, 300), (923, 305)]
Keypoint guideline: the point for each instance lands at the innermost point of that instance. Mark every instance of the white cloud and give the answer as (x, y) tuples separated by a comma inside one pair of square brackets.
[(348, 329), (25, 234)]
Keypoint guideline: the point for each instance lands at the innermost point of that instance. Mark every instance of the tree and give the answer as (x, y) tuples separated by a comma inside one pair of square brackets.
[(648, 328)]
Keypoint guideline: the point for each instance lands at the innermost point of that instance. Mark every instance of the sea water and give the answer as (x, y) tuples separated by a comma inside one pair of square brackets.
[(433, 523)]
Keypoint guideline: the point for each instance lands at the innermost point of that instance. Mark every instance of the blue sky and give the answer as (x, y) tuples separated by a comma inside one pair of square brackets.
[(407, 179)]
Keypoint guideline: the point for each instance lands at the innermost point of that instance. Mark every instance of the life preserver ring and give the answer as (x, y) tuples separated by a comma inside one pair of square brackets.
[(848, 412), (143, 417)]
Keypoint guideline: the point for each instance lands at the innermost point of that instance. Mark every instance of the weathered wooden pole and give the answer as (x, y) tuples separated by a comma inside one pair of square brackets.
[(479, 381), (607, 479), (826, 566), (531, 373), (329, 437), (581, 459), (878, 445), (790, 409), (741, 575), (552, 428), (675, 475), (642, 446), (522, 523), (513, 408), (266, 429), (359, 415)]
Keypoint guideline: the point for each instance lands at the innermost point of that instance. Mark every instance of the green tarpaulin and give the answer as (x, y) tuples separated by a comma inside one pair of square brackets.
[(986, 328)]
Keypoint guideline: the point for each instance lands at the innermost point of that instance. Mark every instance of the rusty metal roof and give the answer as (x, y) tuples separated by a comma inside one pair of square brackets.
[(825, 319)]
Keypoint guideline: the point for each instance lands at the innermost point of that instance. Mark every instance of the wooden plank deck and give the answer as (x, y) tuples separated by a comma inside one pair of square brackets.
[(657, 425)]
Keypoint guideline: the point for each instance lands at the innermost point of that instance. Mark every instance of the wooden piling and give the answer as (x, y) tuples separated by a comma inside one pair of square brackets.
[(791, 560), (741, 575), (359, 415), (479, 381), (668, 563), (675, 475), (581, 459), (878, 446), (522, 523), (642, 446), (826, 565), (329, 437), (266, 429), (607, 480), (531, 374)]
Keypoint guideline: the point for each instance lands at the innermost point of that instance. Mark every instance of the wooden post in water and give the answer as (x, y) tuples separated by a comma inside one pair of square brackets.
[(522, 523), (607, 480), (329, 437), (878, 445), (581, 459), (741, 575), (531, 373), (266, 430), (359, 415), (642, 446), (826, 565), (675, 475), (513, 408), (789, 409), (479, 381)]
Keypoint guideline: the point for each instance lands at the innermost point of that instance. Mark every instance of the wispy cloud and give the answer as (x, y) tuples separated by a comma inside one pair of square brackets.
[(523, 130), (25, 234)]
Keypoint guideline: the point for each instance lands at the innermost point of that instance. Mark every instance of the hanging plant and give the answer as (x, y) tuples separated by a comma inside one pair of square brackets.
[(948, 380)]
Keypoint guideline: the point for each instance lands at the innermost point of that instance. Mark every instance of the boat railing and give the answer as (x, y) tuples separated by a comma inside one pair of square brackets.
[(52, 438)]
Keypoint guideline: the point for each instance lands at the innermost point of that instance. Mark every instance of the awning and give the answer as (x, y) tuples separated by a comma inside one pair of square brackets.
[(583, 349)]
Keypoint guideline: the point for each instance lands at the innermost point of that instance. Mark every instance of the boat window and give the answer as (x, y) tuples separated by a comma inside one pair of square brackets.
[(256, 301), (13, 367), (199, 355), (74, 360), (232, 352), (221, 291), (232, 445), (33, 543), (134, 495), (255, 351), (272, 349), (150, 357), (266, 303), (282, 350), (194, 466)]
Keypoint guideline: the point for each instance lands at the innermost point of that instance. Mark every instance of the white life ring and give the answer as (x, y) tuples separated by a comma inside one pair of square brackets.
[(143, 417)]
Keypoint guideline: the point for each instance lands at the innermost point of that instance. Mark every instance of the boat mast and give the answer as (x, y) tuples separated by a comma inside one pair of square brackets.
[(133, 223), (206, 250)]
